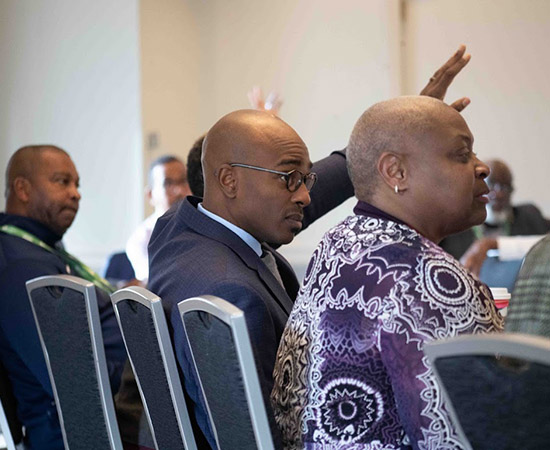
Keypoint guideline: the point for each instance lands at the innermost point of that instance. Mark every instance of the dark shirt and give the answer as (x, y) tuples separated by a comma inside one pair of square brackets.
[(20, 350)]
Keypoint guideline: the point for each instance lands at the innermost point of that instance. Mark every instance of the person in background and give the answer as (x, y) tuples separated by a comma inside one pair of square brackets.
[(42, 200), (167, 184), (502, 227), (350, 370)]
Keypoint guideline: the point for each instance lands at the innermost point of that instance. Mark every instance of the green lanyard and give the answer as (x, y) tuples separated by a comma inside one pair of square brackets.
[(77, 266)]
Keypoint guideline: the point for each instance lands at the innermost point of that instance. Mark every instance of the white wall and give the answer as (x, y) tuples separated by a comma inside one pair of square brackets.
[(507, 78), (171, 73), (70, 76)]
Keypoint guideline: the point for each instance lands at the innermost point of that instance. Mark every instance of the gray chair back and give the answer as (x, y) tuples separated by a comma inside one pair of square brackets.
[(144, 329), (222, 355), (66, 313), (496, 387)]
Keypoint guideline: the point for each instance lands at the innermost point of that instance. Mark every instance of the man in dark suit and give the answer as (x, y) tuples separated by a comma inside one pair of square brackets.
[(244, 207), (503, 220)]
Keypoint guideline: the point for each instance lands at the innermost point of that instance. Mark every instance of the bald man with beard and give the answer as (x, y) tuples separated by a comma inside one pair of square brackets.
[(42, 200)]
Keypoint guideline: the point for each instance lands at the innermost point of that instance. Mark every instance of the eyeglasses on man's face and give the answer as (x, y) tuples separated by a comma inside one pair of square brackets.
[(171, 183), (294, 179), (501, 187)]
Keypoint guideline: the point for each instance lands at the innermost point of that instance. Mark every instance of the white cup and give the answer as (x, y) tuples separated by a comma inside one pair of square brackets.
[(502, 299)]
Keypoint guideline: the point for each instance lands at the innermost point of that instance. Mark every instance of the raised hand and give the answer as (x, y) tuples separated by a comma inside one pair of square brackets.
[(271, 104), (444, 76)]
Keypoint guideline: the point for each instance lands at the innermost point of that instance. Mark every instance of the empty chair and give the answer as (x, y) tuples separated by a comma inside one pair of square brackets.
[(67, 319), (145, 332), (498, 389), (222, 354)]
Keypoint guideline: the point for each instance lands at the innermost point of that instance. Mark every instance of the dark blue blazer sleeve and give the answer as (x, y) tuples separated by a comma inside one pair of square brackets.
[(333, 187), (16, 318)]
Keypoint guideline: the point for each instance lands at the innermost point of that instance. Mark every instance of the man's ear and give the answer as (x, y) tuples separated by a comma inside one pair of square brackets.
[(22, 189), (227, 181), (392, 168)]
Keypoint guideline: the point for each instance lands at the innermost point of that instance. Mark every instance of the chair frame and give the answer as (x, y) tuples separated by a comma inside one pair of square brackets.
[(509, 345), (154, 304), (234, 318), (86, 288), (5, 429)]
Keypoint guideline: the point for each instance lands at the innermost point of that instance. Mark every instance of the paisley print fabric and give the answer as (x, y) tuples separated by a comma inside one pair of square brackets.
[(350, 370)]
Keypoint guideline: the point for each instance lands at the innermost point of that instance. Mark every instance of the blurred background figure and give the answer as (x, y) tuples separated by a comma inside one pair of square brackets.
[(272, 103), (167, 184), (503, 224), (194, 168)]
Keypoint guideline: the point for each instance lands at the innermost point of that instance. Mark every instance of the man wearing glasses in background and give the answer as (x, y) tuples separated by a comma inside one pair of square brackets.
[(167, 184), (502, 228)]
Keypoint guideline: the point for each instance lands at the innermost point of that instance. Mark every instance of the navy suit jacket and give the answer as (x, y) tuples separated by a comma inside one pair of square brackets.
[(20, 349), (191, 254)]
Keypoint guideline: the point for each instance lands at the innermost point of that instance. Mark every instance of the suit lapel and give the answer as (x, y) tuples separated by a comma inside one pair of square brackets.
[(216, 231)]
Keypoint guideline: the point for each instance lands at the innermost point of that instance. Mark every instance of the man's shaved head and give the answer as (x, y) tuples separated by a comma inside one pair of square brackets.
[(25, 162), (237, 135), (256, 201), (394, 125)]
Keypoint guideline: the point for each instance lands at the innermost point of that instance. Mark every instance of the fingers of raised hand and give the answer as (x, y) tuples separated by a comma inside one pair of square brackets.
[(460, 104), (443, 77)]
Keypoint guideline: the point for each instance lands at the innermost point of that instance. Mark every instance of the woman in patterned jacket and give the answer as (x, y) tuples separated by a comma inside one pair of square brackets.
[(350, 372)]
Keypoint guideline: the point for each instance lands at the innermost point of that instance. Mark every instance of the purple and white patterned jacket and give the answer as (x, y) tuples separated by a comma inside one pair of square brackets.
[(350, 371)]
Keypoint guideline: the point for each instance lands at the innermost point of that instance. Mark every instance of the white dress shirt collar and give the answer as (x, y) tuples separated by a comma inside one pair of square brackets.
[(246, 237)]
